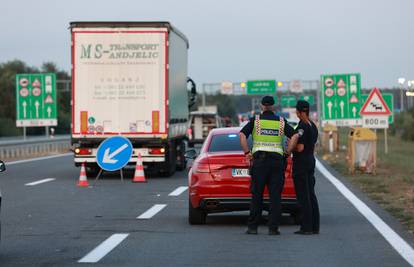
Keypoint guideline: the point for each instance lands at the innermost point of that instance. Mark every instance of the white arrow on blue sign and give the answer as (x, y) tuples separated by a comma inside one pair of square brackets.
[(114, 153)]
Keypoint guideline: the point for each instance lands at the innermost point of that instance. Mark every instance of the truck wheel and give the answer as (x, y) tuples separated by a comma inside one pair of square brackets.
[(196, 215), (92, 171), (169, 166), (181, 160)]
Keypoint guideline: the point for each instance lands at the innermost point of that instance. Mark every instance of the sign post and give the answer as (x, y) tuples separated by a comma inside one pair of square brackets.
[(341, 99), (36, 100), (375, 114)]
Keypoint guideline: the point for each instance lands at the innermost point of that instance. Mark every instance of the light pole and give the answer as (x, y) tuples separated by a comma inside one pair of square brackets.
[(401, 81), (409, 94)]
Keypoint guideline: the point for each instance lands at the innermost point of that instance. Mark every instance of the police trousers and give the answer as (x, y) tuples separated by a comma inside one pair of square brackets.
[(266, 171), (304, 180)]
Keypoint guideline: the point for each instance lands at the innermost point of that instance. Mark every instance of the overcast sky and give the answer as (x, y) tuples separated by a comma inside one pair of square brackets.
[(237, 40)]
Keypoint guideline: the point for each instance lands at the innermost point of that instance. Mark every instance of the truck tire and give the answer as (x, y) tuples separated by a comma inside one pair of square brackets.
[(169, 167), (181, 160), (92, 171), (196, 215)]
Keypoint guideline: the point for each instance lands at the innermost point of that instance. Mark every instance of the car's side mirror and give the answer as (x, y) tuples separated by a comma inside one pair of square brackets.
[(190, 154), (2, 166)]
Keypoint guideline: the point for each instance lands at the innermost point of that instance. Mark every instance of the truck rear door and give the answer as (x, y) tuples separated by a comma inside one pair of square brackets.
[(119, 81)]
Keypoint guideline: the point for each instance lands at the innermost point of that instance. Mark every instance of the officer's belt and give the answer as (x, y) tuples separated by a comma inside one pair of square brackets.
[(265, 155)]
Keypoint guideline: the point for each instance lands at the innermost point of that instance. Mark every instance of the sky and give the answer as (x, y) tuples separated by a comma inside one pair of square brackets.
[(236, 40)]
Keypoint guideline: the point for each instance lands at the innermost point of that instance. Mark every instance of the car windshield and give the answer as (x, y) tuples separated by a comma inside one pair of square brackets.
[(227, 142)]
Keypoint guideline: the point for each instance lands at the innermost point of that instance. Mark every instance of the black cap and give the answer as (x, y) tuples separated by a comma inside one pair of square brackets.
[(302, 105), (268, 101)]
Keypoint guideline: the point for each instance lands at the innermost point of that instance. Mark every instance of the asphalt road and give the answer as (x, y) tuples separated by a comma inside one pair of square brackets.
[(55, 223)]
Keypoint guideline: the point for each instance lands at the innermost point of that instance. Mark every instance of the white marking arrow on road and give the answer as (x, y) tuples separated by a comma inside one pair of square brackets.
[(108, 157), (342, 104), (330, 109), (49, 111), (37, 104), (354, 111), (24, 104)]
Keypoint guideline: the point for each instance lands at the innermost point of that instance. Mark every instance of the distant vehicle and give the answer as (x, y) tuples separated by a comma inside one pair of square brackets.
[(2, 169), (130, 79), (200, 124), (219, 179)]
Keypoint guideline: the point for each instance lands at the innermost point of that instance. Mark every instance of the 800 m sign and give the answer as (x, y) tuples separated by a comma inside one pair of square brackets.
[(375, 122)]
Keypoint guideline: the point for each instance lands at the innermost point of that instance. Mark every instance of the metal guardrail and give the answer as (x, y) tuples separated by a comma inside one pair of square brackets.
[(33, 146)]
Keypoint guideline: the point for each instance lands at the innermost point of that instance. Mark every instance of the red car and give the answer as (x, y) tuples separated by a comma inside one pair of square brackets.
[(219, 179)]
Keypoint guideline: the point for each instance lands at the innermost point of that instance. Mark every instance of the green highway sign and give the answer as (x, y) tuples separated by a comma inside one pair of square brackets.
[(36, 100), (341, 99), (261, 87), (389, 100), (288, 101), (309, 98)]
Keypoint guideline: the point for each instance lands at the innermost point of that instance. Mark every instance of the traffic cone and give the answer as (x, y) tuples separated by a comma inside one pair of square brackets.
[(139, 176), (83, 180)]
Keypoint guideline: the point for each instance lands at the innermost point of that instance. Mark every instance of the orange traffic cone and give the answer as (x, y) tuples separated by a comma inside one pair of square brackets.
[(83, 180), (139, 176)]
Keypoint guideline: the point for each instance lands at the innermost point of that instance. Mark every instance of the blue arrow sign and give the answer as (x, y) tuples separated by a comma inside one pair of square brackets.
[(114, 153)]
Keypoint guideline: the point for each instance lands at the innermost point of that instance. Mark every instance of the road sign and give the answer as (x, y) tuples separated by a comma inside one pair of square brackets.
[(309, 98), (36, 100), (341, 99), (114, 153), (375, 121), (295, 86), (226, 88), (287, 101), (375, 111), (261, 87), (389, 100), (375, 104)]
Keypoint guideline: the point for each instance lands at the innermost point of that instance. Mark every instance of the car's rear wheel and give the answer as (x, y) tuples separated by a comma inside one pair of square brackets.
[(196, 215)]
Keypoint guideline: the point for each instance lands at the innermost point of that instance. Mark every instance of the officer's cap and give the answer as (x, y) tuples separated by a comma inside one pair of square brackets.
[(302, 105), (268, 101)]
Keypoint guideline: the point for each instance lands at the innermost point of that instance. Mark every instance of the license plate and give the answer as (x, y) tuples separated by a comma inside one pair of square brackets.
[(143, 151), (240, 172)]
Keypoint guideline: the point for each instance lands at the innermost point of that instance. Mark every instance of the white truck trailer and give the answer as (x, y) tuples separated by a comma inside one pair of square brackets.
[(130, 79)]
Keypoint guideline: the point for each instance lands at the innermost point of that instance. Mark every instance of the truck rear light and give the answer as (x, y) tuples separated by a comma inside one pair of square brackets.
[(201, 168), (83, 151), (156, 151)]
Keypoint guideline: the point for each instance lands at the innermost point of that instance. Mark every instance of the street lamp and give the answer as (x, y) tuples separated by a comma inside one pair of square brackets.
[(410, 94), (401, 81)]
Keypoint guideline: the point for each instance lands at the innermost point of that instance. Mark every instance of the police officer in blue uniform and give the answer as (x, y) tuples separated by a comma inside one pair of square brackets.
[(267, 161), (302, 145)]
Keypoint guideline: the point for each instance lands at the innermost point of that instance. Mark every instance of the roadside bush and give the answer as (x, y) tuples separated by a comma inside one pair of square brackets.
[(404, 125)]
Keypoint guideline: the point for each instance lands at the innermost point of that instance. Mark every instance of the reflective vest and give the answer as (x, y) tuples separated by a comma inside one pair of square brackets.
[(268, 135)]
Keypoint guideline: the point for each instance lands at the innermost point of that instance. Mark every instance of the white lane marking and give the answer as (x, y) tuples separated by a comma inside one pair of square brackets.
[(36, 159), (40, 181), (104, 248), (152, 211), (178, 191), (399, 244)]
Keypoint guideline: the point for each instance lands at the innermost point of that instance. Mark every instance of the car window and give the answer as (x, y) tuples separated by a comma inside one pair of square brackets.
[(227, 142)]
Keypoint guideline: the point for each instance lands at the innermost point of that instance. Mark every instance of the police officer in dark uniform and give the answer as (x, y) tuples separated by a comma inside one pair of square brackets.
[(302, 145), (267, 161)]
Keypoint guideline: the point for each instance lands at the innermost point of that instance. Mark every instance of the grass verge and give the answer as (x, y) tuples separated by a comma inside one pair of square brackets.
[(392, 186)]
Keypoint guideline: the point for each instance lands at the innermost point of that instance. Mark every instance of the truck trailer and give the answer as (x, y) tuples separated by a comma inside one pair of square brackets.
[(130, 79)]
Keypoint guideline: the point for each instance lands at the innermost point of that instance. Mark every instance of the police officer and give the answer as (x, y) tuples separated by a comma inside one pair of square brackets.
[(267, 162), (302, 145)]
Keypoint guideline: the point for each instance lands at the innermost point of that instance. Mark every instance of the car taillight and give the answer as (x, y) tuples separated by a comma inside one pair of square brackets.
[(156, 151), (83, 151), (201, 168)]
